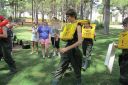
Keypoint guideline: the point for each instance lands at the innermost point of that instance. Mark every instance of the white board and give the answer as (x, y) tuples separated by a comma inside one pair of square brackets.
[(110, 56)]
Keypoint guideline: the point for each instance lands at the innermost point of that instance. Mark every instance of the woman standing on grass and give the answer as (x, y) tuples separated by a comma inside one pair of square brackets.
[(55, 35), (34, 38), (44, 37)]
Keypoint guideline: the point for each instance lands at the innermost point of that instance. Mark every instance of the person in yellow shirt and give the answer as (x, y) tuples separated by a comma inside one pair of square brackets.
[(123, 57), (71, 53), (87, 44)]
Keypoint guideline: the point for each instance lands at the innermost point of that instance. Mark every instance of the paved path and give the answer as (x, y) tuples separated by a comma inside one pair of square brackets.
[(116, 26)]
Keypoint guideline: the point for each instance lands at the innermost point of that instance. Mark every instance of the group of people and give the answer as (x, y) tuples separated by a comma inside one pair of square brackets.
[(46, 34), (70, 54)]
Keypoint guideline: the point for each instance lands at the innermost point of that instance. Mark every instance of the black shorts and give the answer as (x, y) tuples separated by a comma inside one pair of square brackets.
[(55, 43)]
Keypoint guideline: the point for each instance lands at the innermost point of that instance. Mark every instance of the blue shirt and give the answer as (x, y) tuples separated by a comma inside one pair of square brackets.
[(44, 32)]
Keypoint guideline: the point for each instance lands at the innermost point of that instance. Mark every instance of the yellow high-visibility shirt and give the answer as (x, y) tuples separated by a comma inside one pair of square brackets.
[(88, 33), (123, 40), (68, 31)]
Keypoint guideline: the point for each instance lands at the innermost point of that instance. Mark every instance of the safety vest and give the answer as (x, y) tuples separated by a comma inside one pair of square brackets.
[(68, 31), (123, 40), (82, 21), (89, 33)]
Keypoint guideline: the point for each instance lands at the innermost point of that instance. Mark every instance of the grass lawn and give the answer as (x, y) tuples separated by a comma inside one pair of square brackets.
[(33, 70)]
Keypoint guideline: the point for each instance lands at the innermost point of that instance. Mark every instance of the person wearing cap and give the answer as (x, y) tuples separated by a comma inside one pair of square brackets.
[(4, 45)]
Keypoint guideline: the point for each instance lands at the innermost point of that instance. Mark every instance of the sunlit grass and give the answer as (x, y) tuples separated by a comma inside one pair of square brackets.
[(34, 70)]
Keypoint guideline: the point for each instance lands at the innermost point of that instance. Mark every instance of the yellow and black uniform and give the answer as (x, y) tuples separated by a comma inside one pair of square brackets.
[(87, 44), (73, 57), (123, 57)]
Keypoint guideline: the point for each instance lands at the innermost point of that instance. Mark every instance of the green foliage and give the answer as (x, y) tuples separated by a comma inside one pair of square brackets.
[(3, 12), (99, 25), (100, 9), (119, 3)]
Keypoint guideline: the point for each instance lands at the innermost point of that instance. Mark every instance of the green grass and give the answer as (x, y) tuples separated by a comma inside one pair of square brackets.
[(33, 70)]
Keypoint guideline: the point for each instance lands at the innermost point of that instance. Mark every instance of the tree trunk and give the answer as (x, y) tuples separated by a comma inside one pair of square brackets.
[(86, 9), (62, 12), (81, 9), (32, 12), (20, 14), (42, 13), (106, 16), (91, 7), (123, 13), (66, 3), (17, 5), (36, 16), (15, 9)]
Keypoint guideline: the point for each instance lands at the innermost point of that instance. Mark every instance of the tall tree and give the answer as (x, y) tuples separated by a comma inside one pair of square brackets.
[(122, 6), (81, 9), (106, 17)]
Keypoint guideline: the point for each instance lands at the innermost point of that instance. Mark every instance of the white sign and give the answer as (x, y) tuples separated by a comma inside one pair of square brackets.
[(110, 56)]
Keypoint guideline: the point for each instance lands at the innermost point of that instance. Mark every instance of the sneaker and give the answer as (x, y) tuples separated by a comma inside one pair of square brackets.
[(78, 82), (58, 54), (55, 82), (85, 65), (54, 53), (31, 52), (43, 56), (47, 55)]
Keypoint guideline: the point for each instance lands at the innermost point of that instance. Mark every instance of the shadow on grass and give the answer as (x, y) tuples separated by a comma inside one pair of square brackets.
[(34, 70)]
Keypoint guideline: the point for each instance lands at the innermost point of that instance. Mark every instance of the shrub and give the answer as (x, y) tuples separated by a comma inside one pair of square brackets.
[(99, 25)]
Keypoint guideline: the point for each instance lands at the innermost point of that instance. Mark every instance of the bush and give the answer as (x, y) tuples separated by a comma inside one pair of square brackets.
[(17, 20), (99, 25)]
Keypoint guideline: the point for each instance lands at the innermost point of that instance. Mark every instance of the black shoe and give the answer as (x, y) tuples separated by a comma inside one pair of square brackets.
[(78, 82), (123, 82), (13, 70)]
